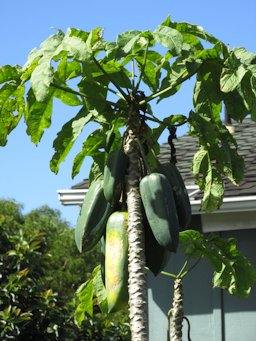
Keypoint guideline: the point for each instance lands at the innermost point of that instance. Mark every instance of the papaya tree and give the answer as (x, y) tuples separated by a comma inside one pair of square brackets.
[(116, 86)]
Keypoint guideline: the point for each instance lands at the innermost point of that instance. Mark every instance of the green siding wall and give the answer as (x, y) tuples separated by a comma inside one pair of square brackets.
[(213, 315)]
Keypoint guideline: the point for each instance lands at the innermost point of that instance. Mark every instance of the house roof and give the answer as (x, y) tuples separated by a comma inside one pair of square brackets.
[(186, 146), (245, 135), (236, 198)]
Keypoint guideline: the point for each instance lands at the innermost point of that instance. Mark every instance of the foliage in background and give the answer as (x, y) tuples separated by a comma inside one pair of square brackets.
[(36, 288)]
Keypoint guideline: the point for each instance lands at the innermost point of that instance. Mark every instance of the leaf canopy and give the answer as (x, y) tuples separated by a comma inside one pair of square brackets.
[(104, 80)]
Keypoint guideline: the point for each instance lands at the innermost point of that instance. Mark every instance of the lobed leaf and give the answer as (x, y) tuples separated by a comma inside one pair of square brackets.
[(213, 190), (9, 73), (170, 38), (232, 73), (91, 147), (12, 106), (85, 302), (41, 79), (99, 290), (232, 270), (67, 136), (38, 115)]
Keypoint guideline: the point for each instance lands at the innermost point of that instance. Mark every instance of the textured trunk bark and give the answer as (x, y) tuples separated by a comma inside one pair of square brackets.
[(138, 306), (177, 311)]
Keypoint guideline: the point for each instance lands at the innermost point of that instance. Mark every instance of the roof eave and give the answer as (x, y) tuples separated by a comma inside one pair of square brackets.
[(230, 204)]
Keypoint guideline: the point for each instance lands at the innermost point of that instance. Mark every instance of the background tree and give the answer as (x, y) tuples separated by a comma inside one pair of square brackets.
[(63, 265), (37, 296), (113, 83)]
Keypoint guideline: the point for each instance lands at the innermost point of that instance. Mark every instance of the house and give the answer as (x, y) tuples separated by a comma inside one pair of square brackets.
[(214, 315)]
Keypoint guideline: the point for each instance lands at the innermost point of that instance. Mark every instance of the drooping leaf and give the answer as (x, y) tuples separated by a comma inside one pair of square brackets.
[(97, 167), (200, 162), (213, 190), (235, 104), (91, 147), (41, 79), (38, 115), (192, 243), (126, 40), (9, 73), (232, 74), (95, 92), (132, 41), (67, 97), (207, 97), (67, 70), (248, 87), (195, 30), (45, 51), (99, 290), (73, 45), (244, 56), (12, 104), (85, 302), (218, 157), (232, 270), (151, 73), (67, 136)]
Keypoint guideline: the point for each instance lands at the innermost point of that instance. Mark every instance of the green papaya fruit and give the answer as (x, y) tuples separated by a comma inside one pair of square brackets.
[(179, 191), (92, 219), (114, 174), (157, 256), (116, 261), (160, 209)]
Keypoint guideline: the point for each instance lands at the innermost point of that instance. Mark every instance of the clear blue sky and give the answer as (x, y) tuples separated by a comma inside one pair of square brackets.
[(24, 168)]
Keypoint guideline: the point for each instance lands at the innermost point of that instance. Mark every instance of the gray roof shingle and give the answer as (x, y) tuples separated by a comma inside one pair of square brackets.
[(186, 146), (245, 135)]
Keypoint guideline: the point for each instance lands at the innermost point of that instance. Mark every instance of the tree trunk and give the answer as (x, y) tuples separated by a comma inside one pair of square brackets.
[(138, 306), (177, 311)]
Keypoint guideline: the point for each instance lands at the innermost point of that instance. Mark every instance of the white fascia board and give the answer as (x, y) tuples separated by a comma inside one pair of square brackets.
[(71, 196), (230, 204)]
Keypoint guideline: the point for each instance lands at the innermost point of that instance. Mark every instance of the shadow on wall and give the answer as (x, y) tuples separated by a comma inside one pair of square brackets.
[(199, 296)]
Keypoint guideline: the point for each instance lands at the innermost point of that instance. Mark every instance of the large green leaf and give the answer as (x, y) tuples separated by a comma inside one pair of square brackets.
[(67, 70), (45, 52), (170, 38), (85, 302), (232, 73), (213, 190), (38, 115), (12, 104), (151, 73), (218, 156), (95, 92), (100, 290), (195, 30), (207, 97), (91, 147), (67, 97), (9, 73), (41, 79), (232, 270), (209, 180), (181, 70), (200, 163), (67, 137), (132, 41), (235, 104), (248, 87), (73, 46)]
